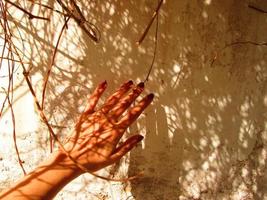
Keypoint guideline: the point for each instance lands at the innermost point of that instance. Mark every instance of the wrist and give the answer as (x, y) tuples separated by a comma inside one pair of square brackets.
[(60, 161)]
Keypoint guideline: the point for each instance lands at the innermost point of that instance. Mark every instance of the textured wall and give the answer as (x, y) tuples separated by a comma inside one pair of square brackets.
[(205, 134)]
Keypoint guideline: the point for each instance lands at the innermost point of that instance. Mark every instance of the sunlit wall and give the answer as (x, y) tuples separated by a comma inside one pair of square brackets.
[(205, 134)]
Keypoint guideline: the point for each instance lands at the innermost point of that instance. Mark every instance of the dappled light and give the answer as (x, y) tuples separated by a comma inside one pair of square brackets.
[(204, 133)]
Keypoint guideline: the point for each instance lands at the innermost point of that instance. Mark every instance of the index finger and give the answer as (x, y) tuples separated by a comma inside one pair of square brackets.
[(93, 99)]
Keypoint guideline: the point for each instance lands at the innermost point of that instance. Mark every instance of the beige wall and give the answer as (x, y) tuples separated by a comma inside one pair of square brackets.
[(205, 134)]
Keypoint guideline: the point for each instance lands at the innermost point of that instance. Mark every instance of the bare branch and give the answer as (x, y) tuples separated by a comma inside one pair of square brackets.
[(150, 23), (257, 9), (31, 16)]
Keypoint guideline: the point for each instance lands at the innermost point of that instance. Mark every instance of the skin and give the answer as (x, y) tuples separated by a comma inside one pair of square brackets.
[(93, 144)]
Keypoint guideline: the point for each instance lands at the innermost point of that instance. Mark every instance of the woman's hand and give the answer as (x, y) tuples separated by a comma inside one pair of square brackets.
[(94, 143)]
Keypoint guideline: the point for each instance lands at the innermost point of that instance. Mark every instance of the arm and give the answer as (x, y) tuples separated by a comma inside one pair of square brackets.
[(93, 144)]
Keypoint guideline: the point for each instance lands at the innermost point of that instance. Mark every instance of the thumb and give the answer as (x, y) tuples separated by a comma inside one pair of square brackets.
[(125, 148)]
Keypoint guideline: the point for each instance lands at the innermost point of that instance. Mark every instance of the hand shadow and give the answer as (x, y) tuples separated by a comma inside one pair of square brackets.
[(160, 159)]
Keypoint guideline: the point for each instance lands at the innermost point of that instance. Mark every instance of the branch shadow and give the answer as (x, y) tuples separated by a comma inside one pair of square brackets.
[(204, 134)]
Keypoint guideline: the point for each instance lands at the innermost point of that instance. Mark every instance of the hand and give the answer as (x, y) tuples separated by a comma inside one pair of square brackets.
[(92, 146), (97, 132)]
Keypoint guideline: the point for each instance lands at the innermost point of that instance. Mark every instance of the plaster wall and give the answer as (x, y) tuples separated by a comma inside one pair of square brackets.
[(206, 131)]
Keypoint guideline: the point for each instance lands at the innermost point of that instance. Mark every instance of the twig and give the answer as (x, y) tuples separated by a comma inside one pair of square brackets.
[(246, 42), (14, 134), (155, 50), (50, 8), (234, 44), (4, 28), (3, 24), (9, 91), (75, 12), (52, 62), (48, 74), (6, 58), (150, 23), (256, 8), (31, 16), (47, 77)]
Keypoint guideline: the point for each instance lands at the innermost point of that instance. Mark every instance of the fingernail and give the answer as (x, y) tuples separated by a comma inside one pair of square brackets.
[(103, 84), (139, 138), (141, 85), (150, 96), (139, 88), (127, 84), (130, 82)]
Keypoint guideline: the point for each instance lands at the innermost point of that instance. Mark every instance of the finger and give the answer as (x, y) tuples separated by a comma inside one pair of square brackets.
[(125, 148), (113, 99), (126, 101), (93, 99), (135, 111)]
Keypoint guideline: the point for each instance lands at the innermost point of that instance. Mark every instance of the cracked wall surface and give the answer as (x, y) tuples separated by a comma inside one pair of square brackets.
[(206, 131)]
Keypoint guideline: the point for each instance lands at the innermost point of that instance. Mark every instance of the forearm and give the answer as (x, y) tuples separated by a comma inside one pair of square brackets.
[(45, 181), (94, 143)]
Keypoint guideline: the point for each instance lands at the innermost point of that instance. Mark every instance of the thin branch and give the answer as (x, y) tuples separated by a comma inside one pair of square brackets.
[(52, 62), (14, 135), (31, 16), (75, 12), (49, 72), (155, 50), (234, 44), (256, 8), (7, 58), (4, 28), (50, 8), (150, 23)]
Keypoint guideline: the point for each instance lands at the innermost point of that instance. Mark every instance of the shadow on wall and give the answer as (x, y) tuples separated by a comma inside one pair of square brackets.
[(204, 134)]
